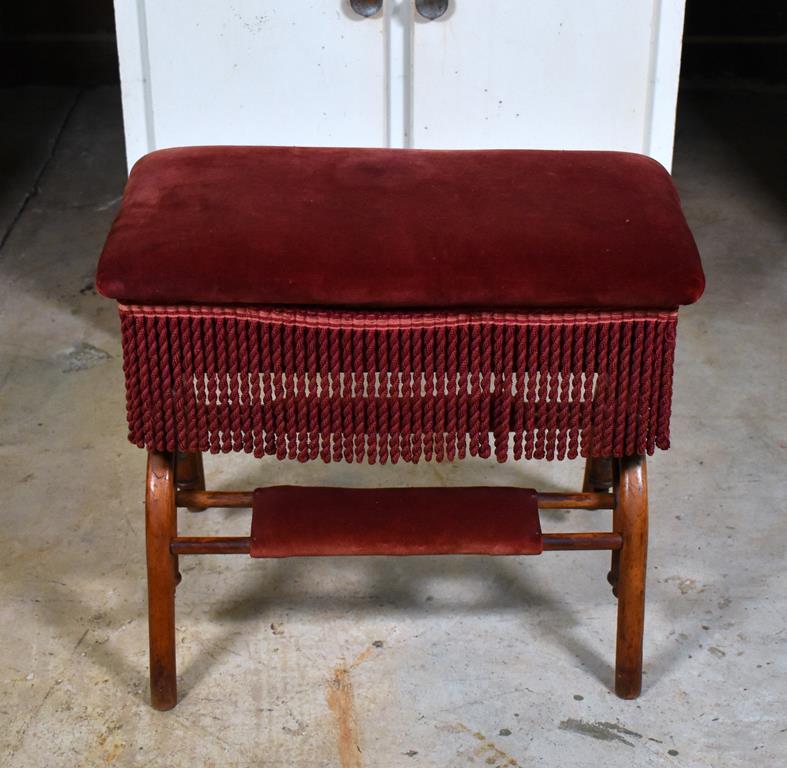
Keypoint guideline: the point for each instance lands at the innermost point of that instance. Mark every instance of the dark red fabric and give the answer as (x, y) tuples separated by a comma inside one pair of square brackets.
[(400, 229), (291, 521)]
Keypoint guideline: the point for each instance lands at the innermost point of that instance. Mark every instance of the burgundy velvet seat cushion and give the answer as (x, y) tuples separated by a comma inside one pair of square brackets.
[(292, 521), (400, 228)]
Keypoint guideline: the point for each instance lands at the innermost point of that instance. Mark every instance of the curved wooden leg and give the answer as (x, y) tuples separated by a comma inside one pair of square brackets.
[(631, 521), (189, 474), (160, 529)]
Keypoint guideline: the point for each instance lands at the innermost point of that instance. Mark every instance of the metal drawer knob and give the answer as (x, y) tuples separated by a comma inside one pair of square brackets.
[(431, 9), (366, 7)]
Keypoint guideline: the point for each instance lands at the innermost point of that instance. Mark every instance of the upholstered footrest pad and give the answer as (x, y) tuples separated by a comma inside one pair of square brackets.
[(291, 521)]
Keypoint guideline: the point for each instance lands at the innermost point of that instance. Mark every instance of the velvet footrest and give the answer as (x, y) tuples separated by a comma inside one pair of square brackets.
[(293, 521)]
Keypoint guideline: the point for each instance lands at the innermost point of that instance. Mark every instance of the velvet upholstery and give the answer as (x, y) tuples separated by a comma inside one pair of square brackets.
[(400, 229), (290, 521)]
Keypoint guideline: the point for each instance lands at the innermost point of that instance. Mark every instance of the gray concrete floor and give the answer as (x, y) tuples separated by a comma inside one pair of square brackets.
[(364, 662)]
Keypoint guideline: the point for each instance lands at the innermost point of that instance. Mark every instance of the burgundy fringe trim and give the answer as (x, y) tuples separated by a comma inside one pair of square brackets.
[(382, 387)]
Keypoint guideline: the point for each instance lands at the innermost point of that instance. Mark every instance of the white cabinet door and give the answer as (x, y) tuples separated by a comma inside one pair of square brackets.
[(549, 74), (296, 72), (567, 74)]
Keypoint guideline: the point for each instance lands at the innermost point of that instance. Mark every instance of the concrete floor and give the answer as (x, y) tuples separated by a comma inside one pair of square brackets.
[(388, 663)]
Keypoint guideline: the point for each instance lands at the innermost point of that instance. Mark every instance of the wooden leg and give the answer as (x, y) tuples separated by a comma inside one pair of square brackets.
[(189, 474), (598, 475), (631, 521), (160, 529), (617, 525)]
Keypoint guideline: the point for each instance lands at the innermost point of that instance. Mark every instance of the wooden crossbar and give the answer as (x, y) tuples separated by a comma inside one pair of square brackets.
[(240, 545), (243, 500)]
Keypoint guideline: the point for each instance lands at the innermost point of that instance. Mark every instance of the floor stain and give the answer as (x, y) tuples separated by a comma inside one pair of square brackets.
[(341, 701), (114, 749), (82, 356), (488, 749), (109, 744), (684, 584), (299, 730), (600, 730)]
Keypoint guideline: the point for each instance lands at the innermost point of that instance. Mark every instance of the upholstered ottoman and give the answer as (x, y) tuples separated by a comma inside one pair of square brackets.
[(367, 305)]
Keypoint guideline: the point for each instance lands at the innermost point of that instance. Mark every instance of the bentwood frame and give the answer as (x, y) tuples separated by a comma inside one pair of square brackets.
[(177, 480)]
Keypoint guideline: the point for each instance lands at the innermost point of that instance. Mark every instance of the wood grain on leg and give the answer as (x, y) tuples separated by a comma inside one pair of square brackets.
[(631, 514), (160, 529)]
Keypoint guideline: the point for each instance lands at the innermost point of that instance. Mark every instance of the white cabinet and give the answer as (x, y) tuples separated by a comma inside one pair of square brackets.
[(306, 72), (590, 74)]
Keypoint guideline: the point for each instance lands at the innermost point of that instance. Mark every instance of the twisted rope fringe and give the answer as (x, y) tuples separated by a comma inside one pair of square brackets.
[(382, 387)]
